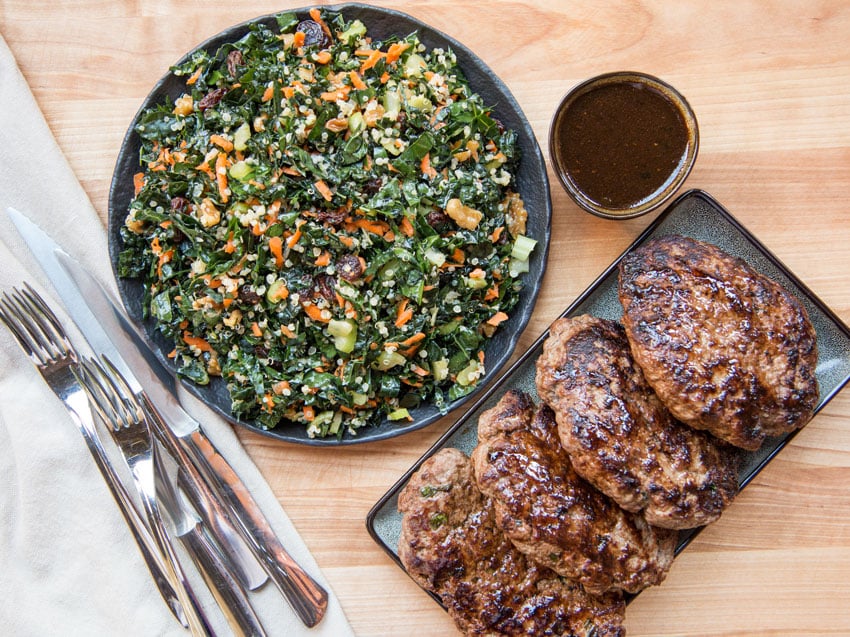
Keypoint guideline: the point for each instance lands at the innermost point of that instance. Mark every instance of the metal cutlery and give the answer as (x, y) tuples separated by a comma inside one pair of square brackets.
[(305, 595), (112, 389), (212, 507), (41, 336), (133, 437), (108, 331)]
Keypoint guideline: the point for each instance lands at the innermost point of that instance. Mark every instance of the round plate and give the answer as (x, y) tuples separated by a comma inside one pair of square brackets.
[(531, 180)]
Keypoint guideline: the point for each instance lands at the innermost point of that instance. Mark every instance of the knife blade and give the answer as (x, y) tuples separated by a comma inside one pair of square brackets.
[(241, 559), (112, 331)]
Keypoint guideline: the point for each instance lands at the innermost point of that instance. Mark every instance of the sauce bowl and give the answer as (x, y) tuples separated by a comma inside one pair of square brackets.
[(623, 143)]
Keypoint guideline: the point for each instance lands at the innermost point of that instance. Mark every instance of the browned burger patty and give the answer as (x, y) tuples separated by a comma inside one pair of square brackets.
[(619, 436), (551, 514), (725, 348), (450, 545)]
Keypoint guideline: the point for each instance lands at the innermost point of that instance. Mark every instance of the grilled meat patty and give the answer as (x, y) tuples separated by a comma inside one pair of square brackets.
[(725, 348), (551, 514), (619, 436), (450, 544)]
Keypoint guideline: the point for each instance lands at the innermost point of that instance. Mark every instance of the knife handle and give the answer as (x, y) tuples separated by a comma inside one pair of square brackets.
[(228, 593), (307, 598)]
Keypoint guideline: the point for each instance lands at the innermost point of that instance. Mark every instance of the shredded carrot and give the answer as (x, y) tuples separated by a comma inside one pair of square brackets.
[(406, 227), (323, 259), (372, 60), (295, 237), (497, 318), (477, 273), (314, 312), (458, 256), (269, 93), (309, 413), (492, 293), (403, 314), (276, 248), (375, 227), (281, 386), (395, 51), (298, 40), (413, 340), (345, 240), (156, 248), (138, 182), (289, 170), (225, 144), (426, 168), (221, 177), (419, 371), (288, 91), (323, 57), (385, 77), (256, 330), (172, 354), (288, 333), (195, 76), (281, 294), (340, 93), (323, 189), (196, 341), (227, 302), (496, 234), (356, 80), (316, 16)]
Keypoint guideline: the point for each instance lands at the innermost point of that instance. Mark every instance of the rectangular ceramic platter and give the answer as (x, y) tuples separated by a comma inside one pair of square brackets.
[(694, 214)]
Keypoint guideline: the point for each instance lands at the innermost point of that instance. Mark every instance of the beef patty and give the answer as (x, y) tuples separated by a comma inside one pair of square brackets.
[(725, 348), (551, 514), (451, 545), (619, 436)]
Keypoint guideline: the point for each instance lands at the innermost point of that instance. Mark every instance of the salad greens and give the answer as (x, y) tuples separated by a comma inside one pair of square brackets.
[(328, 222)]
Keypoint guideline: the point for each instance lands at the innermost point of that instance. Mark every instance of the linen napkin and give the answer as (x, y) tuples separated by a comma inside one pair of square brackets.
[(68, 564)]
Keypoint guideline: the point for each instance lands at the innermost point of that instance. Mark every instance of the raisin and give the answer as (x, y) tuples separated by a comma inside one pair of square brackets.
[(234, 61), (349, 267), (248, 295), (313, 34), (211, 99)]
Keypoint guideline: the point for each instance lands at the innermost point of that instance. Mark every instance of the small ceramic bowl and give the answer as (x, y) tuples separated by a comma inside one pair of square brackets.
[(623, 143)]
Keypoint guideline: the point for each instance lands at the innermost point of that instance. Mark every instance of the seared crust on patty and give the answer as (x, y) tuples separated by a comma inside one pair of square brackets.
[(725, 348), (551, 514), (619, 436), (450, 545)]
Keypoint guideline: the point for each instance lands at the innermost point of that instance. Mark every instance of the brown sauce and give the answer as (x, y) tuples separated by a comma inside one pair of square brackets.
[(620, 143)]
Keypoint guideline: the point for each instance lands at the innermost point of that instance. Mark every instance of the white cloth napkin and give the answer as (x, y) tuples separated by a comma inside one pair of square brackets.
[(68, 564)]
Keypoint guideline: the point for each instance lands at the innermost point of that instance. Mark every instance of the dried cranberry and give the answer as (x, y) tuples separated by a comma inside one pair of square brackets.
[(211, 99), (179, 204), (333, 217), (349, 267), (438, 220), (323, 286), (248, 295), (234, 61), (313, 34), (372, 186)]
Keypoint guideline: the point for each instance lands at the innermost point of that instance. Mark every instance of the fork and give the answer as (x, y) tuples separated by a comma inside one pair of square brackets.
[(231, 597), (41, 336), (109, 396)]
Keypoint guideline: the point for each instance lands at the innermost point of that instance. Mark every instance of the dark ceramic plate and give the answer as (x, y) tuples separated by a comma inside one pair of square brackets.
[(532, 183), (694, 214)]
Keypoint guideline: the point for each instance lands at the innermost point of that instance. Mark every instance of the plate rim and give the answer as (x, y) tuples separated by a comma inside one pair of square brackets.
[(294, 433)]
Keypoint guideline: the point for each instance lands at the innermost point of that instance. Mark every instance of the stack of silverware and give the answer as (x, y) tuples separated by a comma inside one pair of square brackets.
[(191, 516)]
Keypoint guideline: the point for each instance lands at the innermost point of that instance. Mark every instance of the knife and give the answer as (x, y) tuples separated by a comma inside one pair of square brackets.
[(111, 331), (242, 561), (185, 522)]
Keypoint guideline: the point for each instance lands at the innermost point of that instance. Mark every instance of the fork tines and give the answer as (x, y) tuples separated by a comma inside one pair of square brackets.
[(34, 325)]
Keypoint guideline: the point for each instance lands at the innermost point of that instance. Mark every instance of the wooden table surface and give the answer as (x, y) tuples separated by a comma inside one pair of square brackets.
[(770, 83)]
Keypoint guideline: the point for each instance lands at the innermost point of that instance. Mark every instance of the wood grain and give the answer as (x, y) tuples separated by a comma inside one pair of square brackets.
[(770, 83)]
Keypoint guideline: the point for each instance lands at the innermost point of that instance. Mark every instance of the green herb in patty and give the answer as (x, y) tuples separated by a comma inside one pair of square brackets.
[(329, 223)]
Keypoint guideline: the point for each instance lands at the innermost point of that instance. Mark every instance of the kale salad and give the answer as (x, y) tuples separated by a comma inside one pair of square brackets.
[(329, 222)]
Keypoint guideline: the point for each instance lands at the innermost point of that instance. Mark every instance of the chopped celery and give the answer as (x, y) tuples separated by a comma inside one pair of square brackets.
[(399, 414), (440, 369), (413, 65), (344, 333), (523, 247), (355, 30), (469, 374), (388, 359), (241, 170), (241, 137)]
